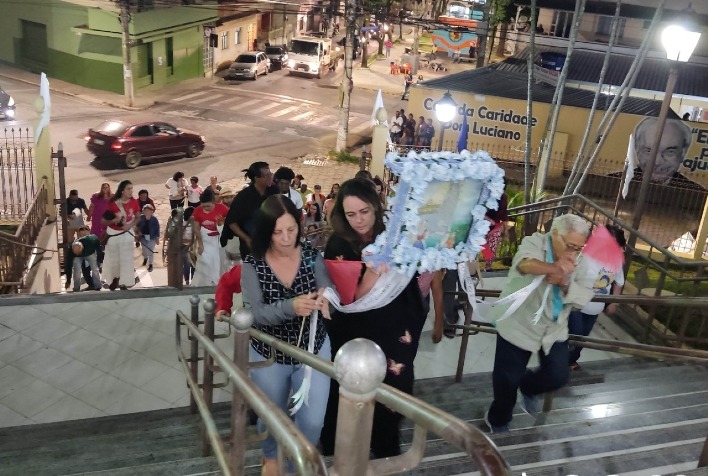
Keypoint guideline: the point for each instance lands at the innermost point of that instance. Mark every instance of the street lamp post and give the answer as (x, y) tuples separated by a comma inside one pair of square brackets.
[(445, 110), (679, 42)]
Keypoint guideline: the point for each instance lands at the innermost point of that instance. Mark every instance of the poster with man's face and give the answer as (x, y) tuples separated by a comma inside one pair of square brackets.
[(675, 140)]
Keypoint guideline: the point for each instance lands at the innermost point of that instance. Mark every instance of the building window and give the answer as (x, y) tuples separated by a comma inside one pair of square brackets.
[(224, 40), (604, 26), (237, 36)]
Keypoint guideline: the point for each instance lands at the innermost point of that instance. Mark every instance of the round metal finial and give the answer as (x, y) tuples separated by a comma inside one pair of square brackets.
[(209, 305), (360, 366), (194, 299), (242, 319)]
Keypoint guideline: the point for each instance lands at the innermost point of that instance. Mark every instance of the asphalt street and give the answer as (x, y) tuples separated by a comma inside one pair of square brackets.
[(277, 118)]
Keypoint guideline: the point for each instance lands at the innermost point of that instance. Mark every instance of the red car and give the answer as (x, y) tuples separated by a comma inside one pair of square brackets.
[(133, 142)]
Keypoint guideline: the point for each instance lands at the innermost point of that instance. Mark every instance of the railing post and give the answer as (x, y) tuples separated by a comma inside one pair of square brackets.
[(208, 384), (194, 351), (242, 321), (359, 367), (462, 355)]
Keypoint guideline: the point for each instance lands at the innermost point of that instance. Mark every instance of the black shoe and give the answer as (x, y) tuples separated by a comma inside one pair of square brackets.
[(150, 269), (449, 332), (145, 261), (113, 285), (123, 287)]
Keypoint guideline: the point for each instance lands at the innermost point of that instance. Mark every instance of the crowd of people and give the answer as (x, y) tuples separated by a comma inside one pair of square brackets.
[(266, 242), (407, 132)]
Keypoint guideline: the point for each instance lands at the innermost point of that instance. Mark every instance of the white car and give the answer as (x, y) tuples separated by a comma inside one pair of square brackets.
[(249, 65)]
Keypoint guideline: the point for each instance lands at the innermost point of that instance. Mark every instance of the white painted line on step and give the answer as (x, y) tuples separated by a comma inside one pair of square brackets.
[(265, 108), (628, 431), (302, 116), (597, 456), (670, 469), (190, 96), (284, 111)]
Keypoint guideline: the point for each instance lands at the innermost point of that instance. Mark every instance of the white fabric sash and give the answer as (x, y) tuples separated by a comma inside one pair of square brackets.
[(387, 288), (389, 285), (480, 308), (303, 393)]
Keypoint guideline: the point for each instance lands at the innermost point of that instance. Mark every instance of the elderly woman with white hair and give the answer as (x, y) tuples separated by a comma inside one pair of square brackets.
[(540, 324)]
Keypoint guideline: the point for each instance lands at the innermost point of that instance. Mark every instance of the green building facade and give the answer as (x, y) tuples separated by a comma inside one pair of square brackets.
[(80, 42)]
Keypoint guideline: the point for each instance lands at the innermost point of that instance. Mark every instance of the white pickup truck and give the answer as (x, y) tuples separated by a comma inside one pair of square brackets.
[(310, 56)]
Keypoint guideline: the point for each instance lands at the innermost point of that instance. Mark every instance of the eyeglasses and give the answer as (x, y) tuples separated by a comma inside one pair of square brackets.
[(570, 247)]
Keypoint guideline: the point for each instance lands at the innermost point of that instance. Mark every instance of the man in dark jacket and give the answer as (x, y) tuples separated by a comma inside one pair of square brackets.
[(83, 250)]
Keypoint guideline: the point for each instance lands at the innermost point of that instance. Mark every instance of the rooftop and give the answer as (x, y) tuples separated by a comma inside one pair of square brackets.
[(502, 82)]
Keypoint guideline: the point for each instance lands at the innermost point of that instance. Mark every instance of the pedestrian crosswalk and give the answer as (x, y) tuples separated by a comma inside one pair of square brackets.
[(300, 111)]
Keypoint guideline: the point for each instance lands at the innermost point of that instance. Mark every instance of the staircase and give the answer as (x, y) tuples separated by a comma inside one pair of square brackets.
[(629, 416)]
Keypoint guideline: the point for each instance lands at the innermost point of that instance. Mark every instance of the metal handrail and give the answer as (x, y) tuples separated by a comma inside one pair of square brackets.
[(304, 456), (619, 347), (450, 428)]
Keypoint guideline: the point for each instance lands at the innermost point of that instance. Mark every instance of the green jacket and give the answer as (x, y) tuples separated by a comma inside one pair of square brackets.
[(91, 245)]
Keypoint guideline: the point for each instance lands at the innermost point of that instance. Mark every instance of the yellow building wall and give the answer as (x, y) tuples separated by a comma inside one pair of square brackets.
[(244, 30), (498, 123)]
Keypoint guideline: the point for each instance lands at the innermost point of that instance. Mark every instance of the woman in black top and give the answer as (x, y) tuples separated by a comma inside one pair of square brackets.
[(357, 217), (280, 283)]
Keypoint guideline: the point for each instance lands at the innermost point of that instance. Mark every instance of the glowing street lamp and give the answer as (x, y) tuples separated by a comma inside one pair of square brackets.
[(679, 40), (445, 110)]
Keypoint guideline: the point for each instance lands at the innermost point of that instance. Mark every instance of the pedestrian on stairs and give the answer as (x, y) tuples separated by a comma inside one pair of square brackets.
[(581, 321), (540, 325)]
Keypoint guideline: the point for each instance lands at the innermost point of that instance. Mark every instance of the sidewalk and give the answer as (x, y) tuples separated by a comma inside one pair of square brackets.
[(377, 75)]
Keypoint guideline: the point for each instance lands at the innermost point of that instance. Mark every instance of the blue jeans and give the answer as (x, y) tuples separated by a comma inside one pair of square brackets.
[(510, 374), (579, 324), (95, 275), (279, 381)]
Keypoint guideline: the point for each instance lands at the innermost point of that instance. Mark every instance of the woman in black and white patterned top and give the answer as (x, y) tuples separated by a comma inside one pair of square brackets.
[(281, 283)]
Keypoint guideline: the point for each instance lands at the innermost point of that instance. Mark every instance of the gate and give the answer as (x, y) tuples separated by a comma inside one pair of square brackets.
[(17, 183)]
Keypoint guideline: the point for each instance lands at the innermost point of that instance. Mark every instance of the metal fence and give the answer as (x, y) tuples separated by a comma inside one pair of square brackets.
[(16, 248), (17, 187)]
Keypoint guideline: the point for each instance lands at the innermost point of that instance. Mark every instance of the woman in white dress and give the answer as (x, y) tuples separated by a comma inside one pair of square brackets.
[(211, 257), (120, 218)]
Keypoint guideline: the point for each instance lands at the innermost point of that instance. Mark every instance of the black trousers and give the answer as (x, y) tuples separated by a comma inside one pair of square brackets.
[(510, 374)]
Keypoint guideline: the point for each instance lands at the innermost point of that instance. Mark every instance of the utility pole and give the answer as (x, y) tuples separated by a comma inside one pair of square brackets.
[(482, 32), (347, 81), (127, 65)]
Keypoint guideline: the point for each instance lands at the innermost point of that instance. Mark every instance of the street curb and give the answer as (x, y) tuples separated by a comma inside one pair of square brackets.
[(78, 95)]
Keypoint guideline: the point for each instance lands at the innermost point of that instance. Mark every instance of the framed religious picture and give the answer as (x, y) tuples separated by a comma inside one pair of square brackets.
[(436, 218)]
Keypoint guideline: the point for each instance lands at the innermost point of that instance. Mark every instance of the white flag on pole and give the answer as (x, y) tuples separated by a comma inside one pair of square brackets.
[(377, 105), (631, 164)]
